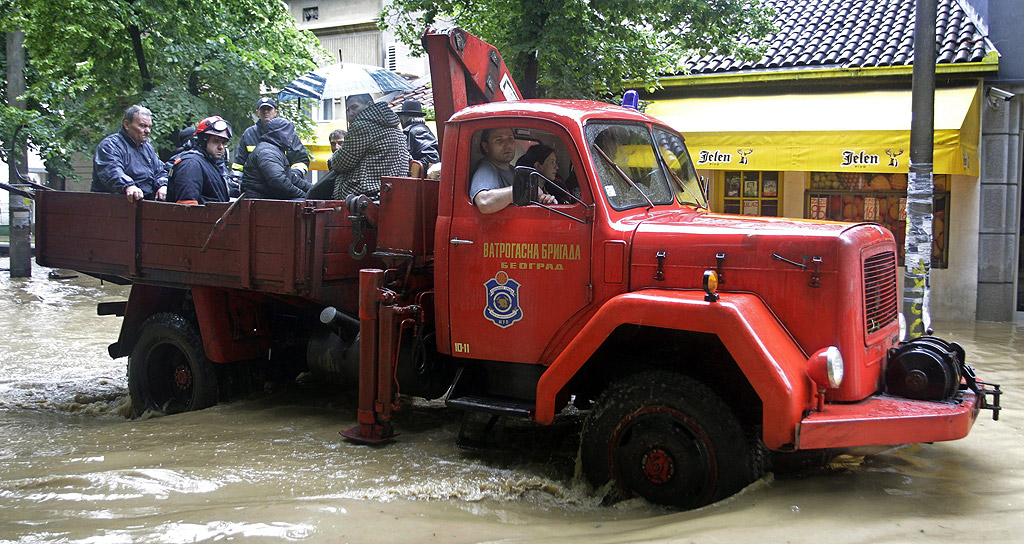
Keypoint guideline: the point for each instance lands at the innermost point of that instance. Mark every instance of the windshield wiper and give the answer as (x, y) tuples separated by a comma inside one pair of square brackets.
[(679, 182), (623, 175)]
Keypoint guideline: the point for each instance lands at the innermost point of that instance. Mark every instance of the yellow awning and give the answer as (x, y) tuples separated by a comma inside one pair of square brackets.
[(825, 132)]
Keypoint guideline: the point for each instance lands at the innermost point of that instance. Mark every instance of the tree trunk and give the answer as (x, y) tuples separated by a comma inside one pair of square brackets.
[(140, 57), (529, 84)]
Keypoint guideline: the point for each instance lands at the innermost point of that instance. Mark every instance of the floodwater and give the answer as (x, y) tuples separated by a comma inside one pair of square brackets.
[(271, 467)]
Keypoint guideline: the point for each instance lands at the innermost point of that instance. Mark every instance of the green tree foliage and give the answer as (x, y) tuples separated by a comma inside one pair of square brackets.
[(88, 60), (590, 48)]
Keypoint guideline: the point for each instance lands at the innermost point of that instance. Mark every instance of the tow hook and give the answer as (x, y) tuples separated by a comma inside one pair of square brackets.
[(356, 205), (981, 389)]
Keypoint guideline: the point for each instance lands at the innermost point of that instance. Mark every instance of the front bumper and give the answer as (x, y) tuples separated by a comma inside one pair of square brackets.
[(882, 420)]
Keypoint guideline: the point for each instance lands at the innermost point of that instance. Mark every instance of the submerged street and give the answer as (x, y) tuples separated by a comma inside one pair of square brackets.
[(272, 467)]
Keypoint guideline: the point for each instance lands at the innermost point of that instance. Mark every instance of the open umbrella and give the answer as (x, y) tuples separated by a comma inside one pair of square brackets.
[(344, 79)]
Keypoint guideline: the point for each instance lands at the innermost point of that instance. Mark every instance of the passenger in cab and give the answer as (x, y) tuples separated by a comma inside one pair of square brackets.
[(266, 173), (375, 146), (125, 163), (543, 159), (197, 175), (491, 186)]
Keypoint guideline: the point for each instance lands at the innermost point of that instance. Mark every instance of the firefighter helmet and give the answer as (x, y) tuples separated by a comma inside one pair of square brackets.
[(214, 126)]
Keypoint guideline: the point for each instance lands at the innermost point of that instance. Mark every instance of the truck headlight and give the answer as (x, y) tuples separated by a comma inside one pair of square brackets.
[(825, 367)]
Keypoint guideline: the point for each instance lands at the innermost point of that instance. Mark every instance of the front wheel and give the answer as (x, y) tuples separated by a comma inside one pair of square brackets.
[(168, 371), (669, 439)]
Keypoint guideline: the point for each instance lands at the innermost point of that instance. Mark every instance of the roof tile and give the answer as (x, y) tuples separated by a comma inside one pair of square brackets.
[(852, 34)]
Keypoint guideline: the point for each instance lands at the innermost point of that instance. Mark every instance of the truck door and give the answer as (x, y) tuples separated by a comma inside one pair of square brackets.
[(517, 275)]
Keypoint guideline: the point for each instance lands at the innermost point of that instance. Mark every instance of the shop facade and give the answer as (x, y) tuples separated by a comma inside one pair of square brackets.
[(844, 156), (819, 126)]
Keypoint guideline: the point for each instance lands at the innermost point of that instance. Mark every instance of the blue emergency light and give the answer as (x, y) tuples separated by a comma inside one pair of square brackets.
[(631, 100)]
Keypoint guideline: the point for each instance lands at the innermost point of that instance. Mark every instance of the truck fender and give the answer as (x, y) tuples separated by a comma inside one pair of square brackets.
[(231, 323), (143, 301), (765, 352)]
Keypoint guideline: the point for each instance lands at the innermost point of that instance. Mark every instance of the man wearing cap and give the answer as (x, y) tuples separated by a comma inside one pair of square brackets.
[(266, 109), (374, 147), (422, 142), (197, 174), (125, 163)]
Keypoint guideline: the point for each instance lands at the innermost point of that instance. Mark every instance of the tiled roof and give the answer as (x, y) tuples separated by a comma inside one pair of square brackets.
[(424, 93), (852, 34)]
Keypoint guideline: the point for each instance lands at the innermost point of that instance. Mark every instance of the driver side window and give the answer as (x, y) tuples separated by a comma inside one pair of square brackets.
[(498, 151), (537, 149)]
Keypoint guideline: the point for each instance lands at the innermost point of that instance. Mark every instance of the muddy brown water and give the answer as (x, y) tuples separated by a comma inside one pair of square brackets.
[(271, 467)]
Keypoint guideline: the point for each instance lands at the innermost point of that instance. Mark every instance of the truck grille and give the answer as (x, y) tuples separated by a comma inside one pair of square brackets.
[(879, 290)]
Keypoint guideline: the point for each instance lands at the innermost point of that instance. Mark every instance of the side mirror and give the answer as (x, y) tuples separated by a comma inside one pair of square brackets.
[(524, 186)]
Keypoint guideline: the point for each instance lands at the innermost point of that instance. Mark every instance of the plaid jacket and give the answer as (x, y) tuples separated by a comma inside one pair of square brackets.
[(375, 146)]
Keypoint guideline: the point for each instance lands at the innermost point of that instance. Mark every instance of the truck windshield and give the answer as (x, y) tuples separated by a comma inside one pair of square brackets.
[(639, 168)]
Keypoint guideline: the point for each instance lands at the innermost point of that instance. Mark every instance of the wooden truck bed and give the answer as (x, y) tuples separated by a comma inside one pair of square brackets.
[(273, 246)]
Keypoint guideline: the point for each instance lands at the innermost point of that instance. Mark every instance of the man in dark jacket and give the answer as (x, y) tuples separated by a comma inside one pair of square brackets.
[(197, 176), (266, 173), (125, 163), (266, 109), (374, 147), (422, 142)]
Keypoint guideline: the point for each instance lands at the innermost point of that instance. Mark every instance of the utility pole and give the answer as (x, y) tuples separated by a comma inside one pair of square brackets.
[(20, 212), (918, 246)]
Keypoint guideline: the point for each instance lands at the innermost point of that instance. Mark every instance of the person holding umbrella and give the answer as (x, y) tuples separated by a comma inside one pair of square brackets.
[(374, 147), (422, 142), (266, 109)]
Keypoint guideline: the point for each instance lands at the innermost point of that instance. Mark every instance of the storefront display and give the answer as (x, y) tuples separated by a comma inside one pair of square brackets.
[(879, 198), (751, 193)]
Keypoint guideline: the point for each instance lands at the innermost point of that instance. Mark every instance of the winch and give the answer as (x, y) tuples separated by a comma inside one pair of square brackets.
[(930, 368)]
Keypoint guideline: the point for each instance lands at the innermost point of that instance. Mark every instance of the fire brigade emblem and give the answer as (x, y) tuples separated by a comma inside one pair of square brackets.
[(502, 300)]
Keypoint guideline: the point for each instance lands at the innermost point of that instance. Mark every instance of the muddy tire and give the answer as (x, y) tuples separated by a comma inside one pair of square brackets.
[(168, 371), (669, 439)]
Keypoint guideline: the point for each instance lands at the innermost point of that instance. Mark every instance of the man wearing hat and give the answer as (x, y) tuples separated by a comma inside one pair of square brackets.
[(422, 142), (266, 109)]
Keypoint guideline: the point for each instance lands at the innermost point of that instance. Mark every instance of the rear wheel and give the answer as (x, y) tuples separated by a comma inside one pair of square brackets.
[(668, 438), (168, 371)]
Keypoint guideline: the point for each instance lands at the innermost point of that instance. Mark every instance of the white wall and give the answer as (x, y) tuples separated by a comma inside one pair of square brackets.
[(954, 290)]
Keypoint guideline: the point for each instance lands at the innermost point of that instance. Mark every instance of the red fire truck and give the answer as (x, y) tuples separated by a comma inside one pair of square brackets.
[(697, 342)]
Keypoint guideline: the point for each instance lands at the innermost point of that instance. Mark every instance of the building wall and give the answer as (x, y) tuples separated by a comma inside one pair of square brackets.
[(331, 13), (1000, 198)]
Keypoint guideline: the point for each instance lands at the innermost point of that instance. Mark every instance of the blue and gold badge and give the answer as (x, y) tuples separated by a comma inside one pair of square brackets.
[(502, 300)]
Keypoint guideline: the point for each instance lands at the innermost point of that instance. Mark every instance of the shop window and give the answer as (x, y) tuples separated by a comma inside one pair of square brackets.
[(882, 199), (751, 193)]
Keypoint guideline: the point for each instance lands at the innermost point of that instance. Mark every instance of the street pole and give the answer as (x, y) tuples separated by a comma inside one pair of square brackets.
[(918, 246), (19, 211)]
